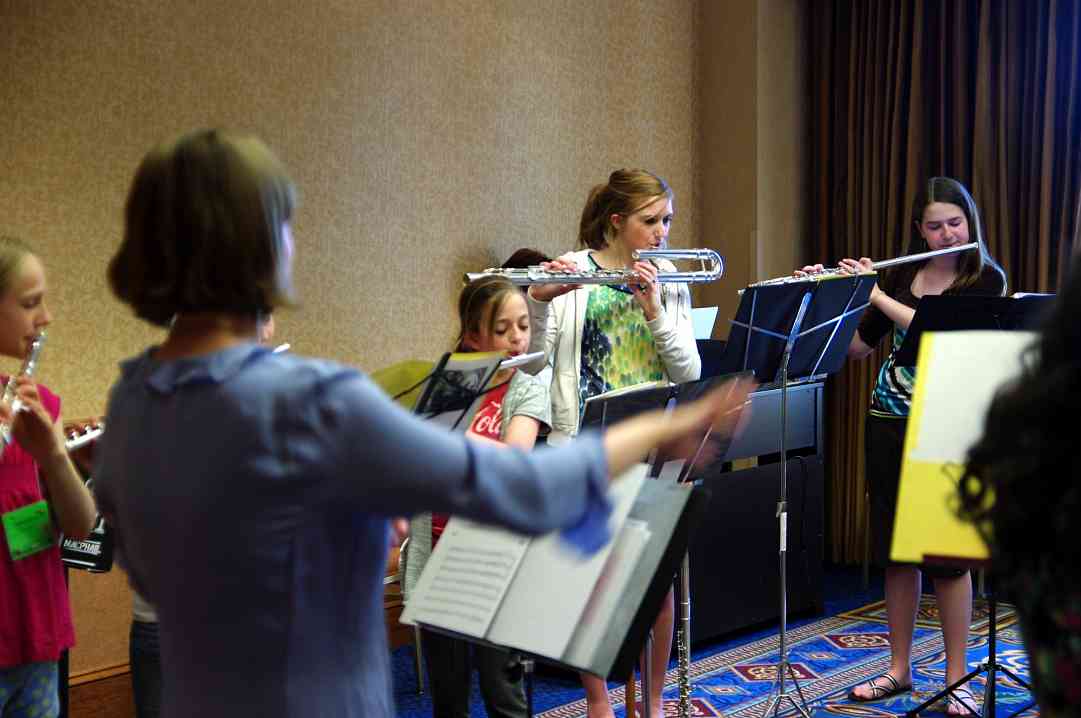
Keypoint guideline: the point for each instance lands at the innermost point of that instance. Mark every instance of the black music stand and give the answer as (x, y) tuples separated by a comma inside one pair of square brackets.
[(710, 456), (672, 514), (599, 412), (602, 411), (943, 313), (801, 328), (450, 393), (989, 667), (959, 313)]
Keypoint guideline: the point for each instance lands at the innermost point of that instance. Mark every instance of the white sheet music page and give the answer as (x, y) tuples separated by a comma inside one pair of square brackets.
[(702, 320), (465, 578), (541, 610), (609, 591), (963, 370)]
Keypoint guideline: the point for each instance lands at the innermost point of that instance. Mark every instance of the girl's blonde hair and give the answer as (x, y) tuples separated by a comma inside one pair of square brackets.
[(12, 252), (482, 298), (626, 192)]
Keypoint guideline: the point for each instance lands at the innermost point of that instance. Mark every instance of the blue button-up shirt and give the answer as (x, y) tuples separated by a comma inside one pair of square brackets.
[(249, 493)]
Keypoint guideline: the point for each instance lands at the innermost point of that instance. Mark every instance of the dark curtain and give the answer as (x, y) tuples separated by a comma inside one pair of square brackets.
[(986, 92)]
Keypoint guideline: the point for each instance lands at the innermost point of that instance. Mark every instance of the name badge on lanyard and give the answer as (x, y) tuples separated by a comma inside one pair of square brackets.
[(29, 530)]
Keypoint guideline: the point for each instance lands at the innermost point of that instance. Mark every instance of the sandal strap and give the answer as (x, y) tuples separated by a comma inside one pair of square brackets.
[(894, 685), (962, 693), (878, 691), (962, 697)]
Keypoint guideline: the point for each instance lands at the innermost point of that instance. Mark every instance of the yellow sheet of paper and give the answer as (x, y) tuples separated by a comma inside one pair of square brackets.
[(926, 524), (397, 378)]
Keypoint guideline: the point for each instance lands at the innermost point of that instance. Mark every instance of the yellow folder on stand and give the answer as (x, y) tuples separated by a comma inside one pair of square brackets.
[(957, 375), (405, 376)]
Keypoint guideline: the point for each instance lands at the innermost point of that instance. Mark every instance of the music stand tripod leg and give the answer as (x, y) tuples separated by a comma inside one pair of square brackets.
[(990, 667), (784, 668), (993, 666)]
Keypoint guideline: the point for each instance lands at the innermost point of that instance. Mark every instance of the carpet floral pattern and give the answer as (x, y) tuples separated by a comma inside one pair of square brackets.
[(829, 657)]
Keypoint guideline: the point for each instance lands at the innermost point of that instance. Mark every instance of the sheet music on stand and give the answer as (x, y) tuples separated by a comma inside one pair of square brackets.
[(455, 389), (596, 617), (450, 390), (957, 376), (941, 313)]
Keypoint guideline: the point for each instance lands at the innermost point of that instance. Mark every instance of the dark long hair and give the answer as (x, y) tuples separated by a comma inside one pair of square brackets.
[(1020, 485), (970, 265)]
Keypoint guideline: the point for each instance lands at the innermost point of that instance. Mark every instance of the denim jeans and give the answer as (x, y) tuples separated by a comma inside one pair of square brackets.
[(145, 658), (29, 690)]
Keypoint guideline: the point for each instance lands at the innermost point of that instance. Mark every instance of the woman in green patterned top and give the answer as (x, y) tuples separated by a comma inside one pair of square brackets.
[(599, 338)]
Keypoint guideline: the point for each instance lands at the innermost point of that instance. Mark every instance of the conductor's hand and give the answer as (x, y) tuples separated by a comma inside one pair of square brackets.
[(548, 292), (721, 413), (680, 433), (32, 426), (399, 530), (647, 292)]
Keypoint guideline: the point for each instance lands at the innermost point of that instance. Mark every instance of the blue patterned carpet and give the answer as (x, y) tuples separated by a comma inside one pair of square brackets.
[(829, 655)]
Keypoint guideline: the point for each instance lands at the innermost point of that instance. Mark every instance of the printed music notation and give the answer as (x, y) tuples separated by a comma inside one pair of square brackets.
[(580, 610), (524, 592), (467, 576)]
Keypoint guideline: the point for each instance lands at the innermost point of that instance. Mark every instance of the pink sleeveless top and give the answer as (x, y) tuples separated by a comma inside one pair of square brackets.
[(35, 618)]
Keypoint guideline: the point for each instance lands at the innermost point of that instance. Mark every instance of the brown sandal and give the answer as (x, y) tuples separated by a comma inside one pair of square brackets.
[(884, 686)]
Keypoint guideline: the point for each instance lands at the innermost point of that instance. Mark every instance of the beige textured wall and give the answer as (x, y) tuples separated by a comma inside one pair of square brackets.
[(781, 92), (427, 138), (752, 99), (728, 137)]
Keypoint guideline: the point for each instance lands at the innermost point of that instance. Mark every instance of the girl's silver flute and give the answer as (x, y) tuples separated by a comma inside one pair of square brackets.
[(881, 264), (9, 398), (712, 268)]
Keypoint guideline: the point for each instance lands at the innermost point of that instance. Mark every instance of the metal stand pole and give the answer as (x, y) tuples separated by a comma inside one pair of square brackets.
[(647, 680), (527, 671), (991, 667), (418, 660), (779, 693)]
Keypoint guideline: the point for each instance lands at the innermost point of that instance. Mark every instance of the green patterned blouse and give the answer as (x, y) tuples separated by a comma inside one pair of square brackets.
[(617, 347)]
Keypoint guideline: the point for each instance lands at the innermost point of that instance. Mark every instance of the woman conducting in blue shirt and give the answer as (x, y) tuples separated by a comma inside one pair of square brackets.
[(250, 490)]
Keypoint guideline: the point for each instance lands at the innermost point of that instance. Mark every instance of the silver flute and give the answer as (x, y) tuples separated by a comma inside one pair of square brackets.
[(882, 264), (9, 397), (712, 269), (683, 636), (88, 435)]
